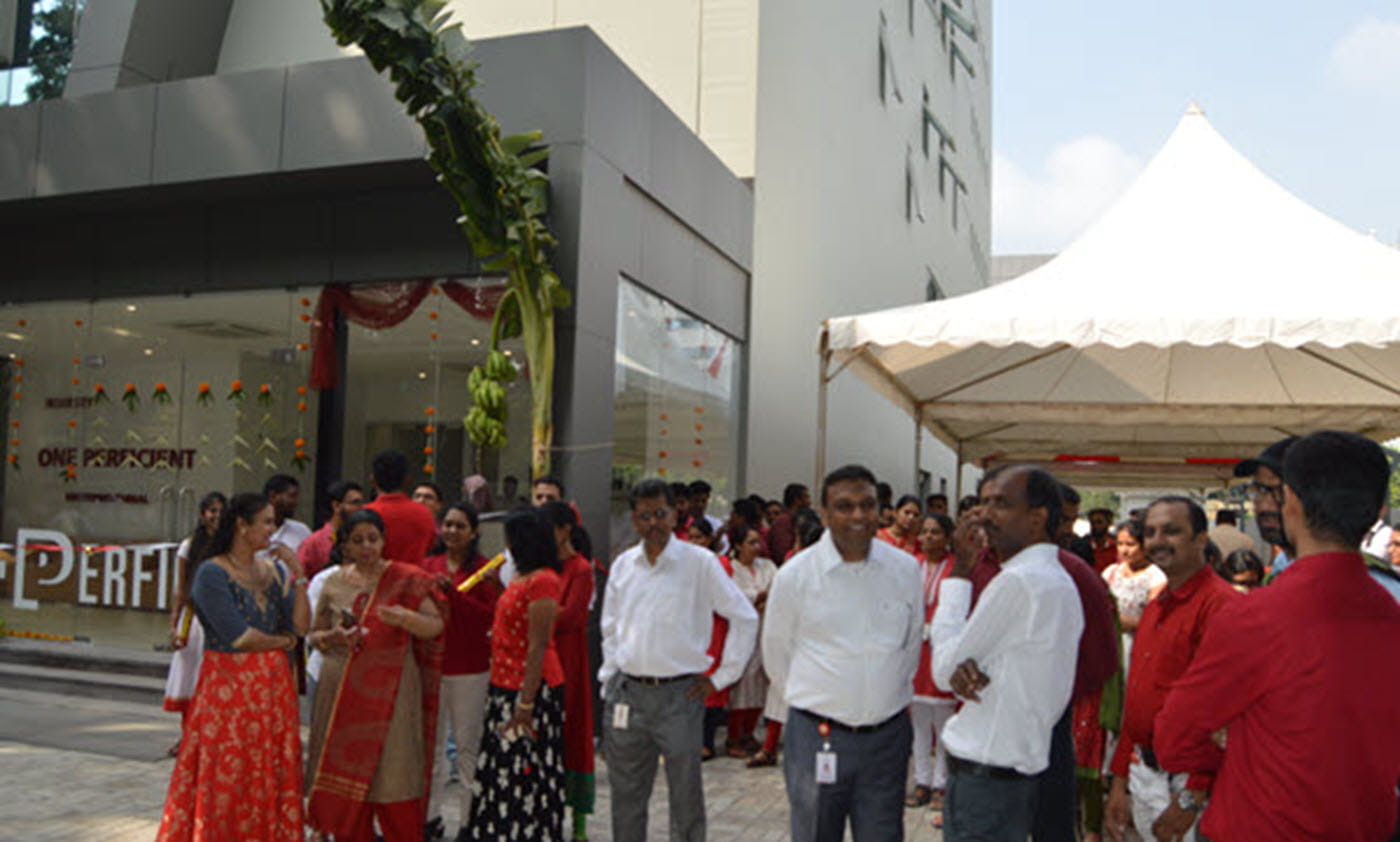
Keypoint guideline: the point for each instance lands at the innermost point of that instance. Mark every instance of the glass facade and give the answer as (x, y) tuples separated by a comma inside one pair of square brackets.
[(120, 415), (676, 393)]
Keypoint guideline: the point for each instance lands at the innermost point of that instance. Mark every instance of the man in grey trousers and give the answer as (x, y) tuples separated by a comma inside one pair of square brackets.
[(657, 620), (841, 635)]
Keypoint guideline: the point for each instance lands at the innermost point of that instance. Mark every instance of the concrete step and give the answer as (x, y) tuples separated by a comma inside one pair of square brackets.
[(86, 683), (84, 656)]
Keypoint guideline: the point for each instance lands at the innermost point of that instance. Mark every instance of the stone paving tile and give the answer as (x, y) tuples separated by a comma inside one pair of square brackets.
[(53, 795)]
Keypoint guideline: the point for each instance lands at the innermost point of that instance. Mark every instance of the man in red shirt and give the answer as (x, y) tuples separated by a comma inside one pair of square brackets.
[(1104, 545), (782, 535), (1302, 674), (409, 529), (1172, 625), (315, 552)]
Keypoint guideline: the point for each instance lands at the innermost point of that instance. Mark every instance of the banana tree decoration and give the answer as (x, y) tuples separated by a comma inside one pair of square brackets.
[(502, 195)]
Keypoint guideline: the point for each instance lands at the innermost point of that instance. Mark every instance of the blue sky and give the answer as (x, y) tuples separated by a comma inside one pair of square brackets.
[(1084, 92)]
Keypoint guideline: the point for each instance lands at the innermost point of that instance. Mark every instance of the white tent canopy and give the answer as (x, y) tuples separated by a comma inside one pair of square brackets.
[(1206, 314)]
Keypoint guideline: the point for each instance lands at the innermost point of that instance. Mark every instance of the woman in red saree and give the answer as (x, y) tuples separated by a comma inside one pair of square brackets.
[(379, 625), (571, 641), (238, 773), (904, 532)]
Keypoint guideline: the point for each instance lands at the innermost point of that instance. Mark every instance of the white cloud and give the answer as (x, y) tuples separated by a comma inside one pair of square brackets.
[(1044, 211), (1368, 57)]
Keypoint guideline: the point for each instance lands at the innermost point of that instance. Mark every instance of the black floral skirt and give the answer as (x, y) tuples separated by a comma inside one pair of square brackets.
[(519, 789)]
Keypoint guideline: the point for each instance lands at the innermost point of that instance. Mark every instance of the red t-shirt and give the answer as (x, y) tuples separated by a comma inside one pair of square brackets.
[(1304, 674), (409, 528), (315, 552), (466, 643), (1169, 633), (510, 634)]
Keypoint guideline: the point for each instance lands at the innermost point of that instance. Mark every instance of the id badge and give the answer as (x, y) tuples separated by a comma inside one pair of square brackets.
[(622, 712), (826, 767)]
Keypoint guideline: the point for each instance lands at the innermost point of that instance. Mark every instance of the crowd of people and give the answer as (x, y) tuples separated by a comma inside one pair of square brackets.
[(1151, 679)]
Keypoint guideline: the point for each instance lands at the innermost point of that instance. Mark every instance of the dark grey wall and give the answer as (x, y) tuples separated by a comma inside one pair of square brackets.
[(312, 174)]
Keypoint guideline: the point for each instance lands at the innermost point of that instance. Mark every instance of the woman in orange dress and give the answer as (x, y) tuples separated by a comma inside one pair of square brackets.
[(904, 532), (238, 773)]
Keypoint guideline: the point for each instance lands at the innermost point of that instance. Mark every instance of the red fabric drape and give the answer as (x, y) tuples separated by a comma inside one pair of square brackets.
[(378, 306), (480, 301)]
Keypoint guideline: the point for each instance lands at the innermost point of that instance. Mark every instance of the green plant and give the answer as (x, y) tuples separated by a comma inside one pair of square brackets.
[(502, 194)]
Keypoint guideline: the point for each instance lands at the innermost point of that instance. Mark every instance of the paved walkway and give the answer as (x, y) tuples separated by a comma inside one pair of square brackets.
[(52, 793)]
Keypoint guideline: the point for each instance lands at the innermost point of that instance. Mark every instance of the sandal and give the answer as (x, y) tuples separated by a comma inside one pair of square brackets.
[(735, 750), (706, 753), (935, 819), (936, 800), (174, 750), (762, 758), (920, 797)]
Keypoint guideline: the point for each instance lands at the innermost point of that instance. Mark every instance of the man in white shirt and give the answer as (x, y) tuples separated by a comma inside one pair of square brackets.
[(841, 635), (283, 491), (1012, 660), (657, 620)]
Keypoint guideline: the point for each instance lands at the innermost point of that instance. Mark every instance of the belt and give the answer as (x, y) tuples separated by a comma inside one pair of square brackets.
[(654, 681), (1148, 757), (841, 726), (982, 770)]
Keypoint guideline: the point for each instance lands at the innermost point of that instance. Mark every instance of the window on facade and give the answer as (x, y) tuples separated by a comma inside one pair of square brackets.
[(932, 291), (889, 82), (36, 48), (931, 126), (913, 207), (677, 406)]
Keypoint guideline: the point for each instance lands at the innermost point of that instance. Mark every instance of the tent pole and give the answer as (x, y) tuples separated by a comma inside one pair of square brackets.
[(918, 449), (957, 477), (824, 360)]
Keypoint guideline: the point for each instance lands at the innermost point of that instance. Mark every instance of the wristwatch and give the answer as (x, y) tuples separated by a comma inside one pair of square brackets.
[(1186, 801)]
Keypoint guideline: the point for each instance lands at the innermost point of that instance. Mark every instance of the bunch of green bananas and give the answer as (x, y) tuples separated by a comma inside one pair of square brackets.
[(486, 422)]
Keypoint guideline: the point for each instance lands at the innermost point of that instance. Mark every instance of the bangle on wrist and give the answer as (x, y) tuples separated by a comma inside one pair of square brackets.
[(525, 705)]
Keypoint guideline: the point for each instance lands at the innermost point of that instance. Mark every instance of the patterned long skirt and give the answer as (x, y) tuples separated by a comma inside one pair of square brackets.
[(519, 789), (238, 775)]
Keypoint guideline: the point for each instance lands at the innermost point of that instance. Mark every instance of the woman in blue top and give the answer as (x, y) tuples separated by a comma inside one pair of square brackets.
[(238, 775)]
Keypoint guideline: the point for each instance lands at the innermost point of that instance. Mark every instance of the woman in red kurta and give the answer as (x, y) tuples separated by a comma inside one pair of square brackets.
[(931, 707), (520, 774), (571, 641), (904, 532), (466, 659)]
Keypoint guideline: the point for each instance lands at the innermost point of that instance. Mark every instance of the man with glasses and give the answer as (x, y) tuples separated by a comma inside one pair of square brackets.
[(1266, 493), (656, 625)]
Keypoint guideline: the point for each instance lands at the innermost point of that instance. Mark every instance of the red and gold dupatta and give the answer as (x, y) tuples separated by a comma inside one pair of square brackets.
[(364, 702)]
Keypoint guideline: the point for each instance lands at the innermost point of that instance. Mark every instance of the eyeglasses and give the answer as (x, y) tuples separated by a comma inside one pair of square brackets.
[(1258, 491), (657, 515)]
